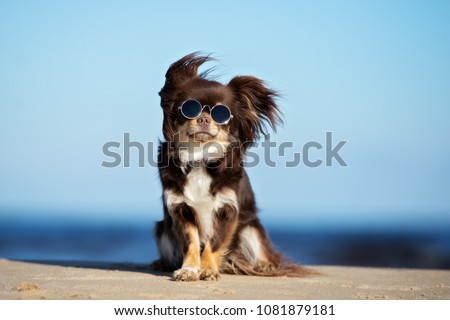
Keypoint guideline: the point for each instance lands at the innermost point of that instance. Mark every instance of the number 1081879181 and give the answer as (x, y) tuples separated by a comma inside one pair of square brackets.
[(298, 309)]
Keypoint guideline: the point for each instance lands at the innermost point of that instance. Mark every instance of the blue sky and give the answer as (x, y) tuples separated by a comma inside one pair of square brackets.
[(74, 75)]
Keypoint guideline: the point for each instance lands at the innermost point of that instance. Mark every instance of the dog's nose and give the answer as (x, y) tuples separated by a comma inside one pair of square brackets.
[(204, 121)]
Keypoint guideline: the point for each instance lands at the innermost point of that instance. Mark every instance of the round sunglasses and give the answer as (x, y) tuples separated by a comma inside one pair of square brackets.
[(192, 109)]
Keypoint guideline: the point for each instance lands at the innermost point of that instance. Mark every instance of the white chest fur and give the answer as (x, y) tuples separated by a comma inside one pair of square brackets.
[(197, 195)]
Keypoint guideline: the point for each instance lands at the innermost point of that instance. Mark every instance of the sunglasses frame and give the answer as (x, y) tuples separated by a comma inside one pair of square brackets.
[(201, 111)]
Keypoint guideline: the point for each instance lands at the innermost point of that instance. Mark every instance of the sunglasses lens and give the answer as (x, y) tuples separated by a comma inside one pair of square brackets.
[(191, 109), (220, 114)]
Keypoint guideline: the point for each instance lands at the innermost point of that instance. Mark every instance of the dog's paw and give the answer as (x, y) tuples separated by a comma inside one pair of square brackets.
[(186, 274), (209, 275)]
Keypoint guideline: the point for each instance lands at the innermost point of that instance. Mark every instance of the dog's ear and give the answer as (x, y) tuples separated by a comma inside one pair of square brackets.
[(178, 73), (256, 107)]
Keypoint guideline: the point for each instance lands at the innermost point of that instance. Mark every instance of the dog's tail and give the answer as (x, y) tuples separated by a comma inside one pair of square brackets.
[(276, 266)]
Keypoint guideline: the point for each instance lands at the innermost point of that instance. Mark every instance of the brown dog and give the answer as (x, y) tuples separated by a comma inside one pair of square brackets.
[(210, 220)]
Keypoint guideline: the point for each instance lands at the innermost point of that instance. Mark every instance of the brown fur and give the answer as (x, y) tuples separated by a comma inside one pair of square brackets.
[(235, 241)]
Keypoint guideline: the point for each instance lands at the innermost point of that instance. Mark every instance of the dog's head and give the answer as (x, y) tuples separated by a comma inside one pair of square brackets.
[(250, 102)]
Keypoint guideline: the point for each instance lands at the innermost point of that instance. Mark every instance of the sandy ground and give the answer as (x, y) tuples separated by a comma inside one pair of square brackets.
[(75, 280)]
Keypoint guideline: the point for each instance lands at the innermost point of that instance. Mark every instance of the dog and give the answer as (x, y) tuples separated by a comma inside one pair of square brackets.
[(210, 223)]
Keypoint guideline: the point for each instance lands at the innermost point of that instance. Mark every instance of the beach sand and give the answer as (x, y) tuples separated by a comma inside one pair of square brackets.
[(85, 280)]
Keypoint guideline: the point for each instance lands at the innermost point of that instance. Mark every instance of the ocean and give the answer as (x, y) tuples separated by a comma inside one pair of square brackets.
[(132, 242)]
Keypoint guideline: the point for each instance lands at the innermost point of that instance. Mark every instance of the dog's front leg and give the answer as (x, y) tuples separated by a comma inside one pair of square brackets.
[(186, 230), (215, 247)]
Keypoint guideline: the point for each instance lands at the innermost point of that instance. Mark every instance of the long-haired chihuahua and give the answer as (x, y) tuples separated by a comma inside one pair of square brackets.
[(210, 223)]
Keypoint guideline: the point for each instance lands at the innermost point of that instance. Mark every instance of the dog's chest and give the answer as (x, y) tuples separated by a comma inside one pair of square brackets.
[(197, 187), (198, 196)]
